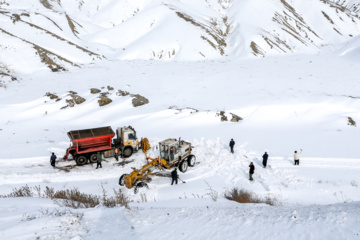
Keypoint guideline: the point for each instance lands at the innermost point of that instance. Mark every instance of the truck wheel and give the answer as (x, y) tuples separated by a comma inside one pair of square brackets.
[(81, 160), (183, 166), (127, 152), (122, 180), (191, 160), (93, 158)]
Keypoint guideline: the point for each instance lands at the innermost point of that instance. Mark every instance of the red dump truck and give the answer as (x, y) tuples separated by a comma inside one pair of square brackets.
[(87, 143)]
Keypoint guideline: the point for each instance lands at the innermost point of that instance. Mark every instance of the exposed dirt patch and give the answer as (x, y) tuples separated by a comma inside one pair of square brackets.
[(192, 110), (327, 17), (223, 117), (257, 51), (46, 56), (104, 101), (72, 25), (46, 4), (139, 100), (351, 122), (94, 90), (235, 118), (217, 35), (5, 76), (53, 96), (75, 99), (122, 93)]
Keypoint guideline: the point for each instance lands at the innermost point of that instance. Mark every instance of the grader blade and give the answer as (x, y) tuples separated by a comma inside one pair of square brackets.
[(128, 181)]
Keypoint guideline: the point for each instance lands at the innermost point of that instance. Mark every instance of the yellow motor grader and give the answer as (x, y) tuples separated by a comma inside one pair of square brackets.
[(173, 153)]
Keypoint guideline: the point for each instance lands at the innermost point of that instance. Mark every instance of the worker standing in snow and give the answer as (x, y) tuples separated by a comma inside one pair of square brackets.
[(52, 159), (231, 145), (251, 172), (265, 158), (99, 160), (297, 157), (116, 150), (174, 176)]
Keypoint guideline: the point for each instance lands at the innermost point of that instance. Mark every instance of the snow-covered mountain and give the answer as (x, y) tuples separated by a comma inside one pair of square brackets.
[(50, 33), (275, 75)]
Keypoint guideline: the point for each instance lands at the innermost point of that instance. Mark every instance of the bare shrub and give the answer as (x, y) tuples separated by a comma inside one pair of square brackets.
[(24, 191), (75, 199), (38, 190), (121, 198), (246, 196), (49, 192), (212, 193), (58, 213)]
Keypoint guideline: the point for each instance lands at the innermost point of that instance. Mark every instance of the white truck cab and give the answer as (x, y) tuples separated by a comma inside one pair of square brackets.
[(126, 141)]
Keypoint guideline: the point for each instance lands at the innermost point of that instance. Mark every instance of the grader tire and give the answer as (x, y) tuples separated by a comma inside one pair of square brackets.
[(122, 180), (191, 160), (183, 166)]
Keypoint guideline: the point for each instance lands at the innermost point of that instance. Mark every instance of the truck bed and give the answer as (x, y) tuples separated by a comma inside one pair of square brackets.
[(90, 133)]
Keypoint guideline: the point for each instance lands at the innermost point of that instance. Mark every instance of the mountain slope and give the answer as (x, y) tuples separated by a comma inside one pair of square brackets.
[(51, 33)]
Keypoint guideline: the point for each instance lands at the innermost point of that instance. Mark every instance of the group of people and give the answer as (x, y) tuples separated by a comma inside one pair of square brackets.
[(265, 159), (174, 174)]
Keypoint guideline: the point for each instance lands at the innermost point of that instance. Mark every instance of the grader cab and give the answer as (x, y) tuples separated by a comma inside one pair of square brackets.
[(173, 153)]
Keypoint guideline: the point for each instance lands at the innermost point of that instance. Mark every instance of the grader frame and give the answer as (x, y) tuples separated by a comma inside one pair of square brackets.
[(174, 154)]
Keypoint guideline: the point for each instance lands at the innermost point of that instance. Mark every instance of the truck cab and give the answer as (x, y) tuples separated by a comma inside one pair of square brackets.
[(126, 140), (177, 153)]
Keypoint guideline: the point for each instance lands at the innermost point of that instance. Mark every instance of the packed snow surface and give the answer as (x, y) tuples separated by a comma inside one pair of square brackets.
[(287, 104)]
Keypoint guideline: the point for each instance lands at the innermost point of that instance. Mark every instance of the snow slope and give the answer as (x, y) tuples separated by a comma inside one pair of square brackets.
[(300, 92), (44, 34), (286, 103)]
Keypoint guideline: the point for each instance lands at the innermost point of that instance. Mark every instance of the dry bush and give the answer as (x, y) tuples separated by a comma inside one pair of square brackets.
[(49, 192), (24, 191), (246, 196), (75, 199), (212, 193), (119, 199), (72, 198)]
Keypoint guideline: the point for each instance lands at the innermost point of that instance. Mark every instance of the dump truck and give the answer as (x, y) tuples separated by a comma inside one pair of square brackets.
[(86, 143), (173, 153)]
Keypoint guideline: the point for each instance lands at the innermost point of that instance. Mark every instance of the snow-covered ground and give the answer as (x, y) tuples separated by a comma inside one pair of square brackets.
[(303, 95), (286, 103)]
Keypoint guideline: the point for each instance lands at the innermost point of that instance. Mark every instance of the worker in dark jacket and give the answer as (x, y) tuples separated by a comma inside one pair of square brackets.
[(231, 145), (116, 150), (52, 159), (174, 176), (99, 160), (265, 158), (251, 172)]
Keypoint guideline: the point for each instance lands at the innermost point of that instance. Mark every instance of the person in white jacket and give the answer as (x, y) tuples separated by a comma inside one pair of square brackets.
[(297, 157)]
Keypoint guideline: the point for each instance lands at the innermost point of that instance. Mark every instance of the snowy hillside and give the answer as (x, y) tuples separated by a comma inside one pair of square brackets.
[(276, 76), (51, 33)]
